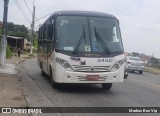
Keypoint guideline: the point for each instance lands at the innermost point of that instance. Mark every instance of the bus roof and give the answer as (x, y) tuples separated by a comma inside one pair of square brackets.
[(81, 13)]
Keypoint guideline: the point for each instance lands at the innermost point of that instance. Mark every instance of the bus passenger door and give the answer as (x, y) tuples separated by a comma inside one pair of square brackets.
[(45, 58), (49, 55)]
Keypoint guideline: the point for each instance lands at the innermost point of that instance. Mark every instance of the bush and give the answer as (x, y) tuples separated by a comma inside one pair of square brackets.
[(8, 52)]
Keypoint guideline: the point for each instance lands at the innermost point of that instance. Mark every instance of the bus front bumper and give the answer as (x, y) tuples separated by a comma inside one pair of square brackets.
[(64, 76)]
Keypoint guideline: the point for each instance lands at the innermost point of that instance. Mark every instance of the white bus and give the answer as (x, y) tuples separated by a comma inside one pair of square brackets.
[(81, 47)]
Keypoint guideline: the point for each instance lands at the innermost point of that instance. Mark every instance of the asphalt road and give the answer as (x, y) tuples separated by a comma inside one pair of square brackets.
[(136, 91)]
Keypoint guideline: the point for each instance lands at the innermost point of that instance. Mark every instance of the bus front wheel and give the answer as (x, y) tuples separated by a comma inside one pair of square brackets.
[(54, 84), (106, 86)]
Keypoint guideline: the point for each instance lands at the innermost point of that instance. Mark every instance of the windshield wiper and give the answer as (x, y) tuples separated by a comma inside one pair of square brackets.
[(101, 41), (79, 41)]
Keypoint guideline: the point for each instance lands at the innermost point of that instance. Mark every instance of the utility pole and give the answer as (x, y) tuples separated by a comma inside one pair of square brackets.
[(4, 35), (32, 29)]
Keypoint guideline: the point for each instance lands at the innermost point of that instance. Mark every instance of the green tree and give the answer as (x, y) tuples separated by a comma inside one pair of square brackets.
[(17, 30), (11, 26)]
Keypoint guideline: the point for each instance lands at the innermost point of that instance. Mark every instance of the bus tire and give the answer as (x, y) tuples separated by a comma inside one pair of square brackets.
[(50, 75), (54, 84), (106, 86), (42, 72)]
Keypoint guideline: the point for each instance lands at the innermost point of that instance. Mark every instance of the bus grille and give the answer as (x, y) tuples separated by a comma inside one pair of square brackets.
[(92, 69)]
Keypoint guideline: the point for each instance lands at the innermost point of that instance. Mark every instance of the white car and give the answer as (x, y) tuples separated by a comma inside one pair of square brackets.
[(135, 64)]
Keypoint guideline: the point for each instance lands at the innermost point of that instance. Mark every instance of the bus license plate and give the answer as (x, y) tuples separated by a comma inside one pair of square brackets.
[(92, 77)]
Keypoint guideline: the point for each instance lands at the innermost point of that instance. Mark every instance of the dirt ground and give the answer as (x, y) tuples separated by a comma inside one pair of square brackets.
[(11, 92)]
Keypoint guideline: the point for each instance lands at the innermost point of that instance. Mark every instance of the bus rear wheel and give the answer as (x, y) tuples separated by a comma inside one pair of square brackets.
[(106, 86), (42, 72)]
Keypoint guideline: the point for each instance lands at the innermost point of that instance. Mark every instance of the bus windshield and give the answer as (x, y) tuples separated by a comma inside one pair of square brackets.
[(88, 34)]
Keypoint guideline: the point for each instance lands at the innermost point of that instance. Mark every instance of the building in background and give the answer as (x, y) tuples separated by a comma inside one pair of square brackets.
[(144, 57), (15, 42)]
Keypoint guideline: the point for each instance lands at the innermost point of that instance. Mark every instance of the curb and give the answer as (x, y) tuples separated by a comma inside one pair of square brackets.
[(7, 75), (27, 100)]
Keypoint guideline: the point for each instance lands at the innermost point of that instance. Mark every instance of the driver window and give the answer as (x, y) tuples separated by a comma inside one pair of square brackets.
[(114, 35)]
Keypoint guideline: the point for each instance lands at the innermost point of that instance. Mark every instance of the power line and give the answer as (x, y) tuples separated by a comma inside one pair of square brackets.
[(37, 27), (30, 9), (43, 17), (27, 6), (21, 10)]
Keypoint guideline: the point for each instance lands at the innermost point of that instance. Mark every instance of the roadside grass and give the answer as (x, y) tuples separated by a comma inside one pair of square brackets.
[(153, 70), (8, 52)]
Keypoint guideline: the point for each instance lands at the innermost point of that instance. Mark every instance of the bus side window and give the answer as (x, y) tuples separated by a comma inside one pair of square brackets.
[(50, 34), (46, 31), (43, 32), (50, 30)]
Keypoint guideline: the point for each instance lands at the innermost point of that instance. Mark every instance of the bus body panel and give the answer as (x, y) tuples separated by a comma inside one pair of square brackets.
[(61, 75), (64, 76)]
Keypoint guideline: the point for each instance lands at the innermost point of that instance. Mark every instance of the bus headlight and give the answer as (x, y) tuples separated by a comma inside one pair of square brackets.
[(117, 65), (64, 64)]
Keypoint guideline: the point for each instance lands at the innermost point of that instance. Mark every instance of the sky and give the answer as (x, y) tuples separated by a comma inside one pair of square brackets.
[(139, 19)]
